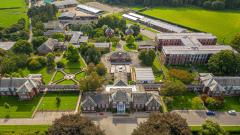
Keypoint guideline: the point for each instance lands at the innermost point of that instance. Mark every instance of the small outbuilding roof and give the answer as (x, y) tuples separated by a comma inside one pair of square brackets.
[(102, 45), (143, 74), (89, 9), (83, 39)]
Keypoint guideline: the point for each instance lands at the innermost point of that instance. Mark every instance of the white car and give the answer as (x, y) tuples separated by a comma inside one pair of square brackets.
[(232, 112)]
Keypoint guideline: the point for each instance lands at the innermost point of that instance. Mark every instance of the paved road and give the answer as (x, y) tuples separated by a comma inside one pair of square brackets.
[(194, 117)]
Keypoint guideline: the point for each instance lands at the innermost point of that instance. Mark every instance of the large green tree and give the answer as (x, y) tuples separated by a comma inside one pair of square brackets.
[(183, 75), (163, 124), (173, 88), (22, 46), (147, 57), (91, 82), (224, 63), (211, 128), (74, 125), (72, 54)]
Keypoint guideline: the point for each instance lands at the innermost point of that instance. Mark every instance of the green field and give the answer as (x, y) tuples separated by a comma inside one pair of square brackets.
[(68, 102), (23, 129), (59, 75), (231, 103), (11, 11), (223, 24), (18, 109)]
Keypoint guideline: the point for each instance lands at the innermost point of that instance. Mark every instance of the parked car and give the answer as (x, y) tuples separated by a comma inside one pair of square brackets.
[(210, 113), (232, 112)]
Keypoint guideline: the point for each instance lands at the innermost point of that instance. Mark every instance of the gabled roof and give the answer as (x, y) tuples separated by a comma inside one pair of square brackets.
[(121, 96), (153, 101), (48, 46), (89, 102)]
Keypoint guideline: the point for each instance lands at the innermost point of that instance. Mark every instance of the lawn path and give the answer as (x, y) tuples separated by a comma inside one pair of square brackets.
[(78, 103)]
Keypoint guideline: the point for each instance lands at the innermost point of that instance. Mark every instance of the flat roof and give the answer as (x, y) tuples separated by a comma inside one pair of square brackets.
[(90, 9), (143, 74), (129, 17), (6, 45), (136, 15), (181, 50), (64, 3), (102, 45)]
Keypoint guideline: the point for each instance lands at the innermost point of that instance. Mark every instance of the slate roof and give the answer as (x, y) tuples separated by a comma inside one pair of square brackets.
[(48, 46), (66, 14), (20, 85), (95, 98), (75, 37), (121, 96), (65, 3)]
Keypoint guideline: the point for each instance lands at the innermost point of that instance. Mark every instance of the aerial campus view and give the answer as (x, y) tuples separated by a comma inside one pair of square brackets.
[(119, 67)]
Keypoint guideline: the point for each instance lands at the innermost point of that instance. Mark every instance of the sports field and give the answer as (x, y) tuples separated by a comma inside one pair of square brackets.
[(11, 11), (223, 24)]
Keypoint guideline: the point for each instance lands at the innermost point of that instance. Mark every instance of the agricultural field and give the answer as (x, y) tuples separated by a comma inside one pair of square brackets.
[(68, 101), (17, 109), (223, 24), (15, 8)]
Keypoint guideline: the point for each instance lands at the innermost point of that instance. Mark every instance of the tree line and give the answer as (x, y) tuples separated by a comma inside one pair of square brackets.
[(212, 4)]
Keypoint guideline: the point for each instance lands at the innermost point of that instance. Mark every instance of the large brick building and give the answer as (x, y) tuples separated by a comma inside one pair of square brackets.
[(184, 48)]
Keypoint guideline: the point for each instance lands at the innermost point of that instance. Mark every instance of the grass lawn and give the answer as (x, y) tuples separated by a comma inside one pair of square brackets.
[(18, 109), (223, 24), (183, 102), (67, 82), (46, 74), (157, 70), (23, 129), (234, 130), (80, 75), (11, 11), (59, 75), (129, 48), (232, 103), (68, 101)]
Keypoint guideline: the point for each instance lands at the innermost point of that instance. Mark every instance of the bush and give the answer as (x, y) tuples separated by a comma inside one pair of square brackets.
[(207, 4), (213, 104), (218, 5), (60, 64), (34, 64), (184, 76), (139, 37)]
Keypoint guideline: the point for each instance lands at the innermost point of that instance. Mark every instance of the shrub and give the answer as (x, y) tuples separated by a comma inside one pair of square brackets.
[(213, 104), (207, 4), (34, 64), (218, 5), (60, 64)]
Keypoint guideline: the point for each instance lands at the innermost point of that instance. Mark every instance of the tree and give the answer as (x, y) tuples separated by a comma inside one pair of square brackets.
[(182, 75), (60, 64), (90, 54), (6, 105), (197, 103), (235, 43), (90, 68), (58, 101), (91, 82), (72, 54), (87, 29), (74, 124), (136, 28), (213, 104), (22, 46), (224, 63), (173, 88), (37, 41), (147, 57), (101, 69), (34, 64), (211, 128), (130, 39), (163, 124), (50, 60)]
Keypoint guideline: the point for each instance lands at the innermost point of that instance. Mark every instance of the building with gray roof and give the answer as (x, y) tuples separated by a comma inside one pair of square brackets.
[(83, 39), (24, 88), (6, 45), (144, 75), (220, 85), (89, 9), (65, 3), (146, 45), (49, 46), (185, 48), (156, 24), (75, 38)]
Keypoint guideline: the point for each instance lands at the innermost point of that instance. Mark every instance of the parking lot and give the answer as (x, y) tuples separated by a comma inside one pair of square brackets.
[(197, 117)]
